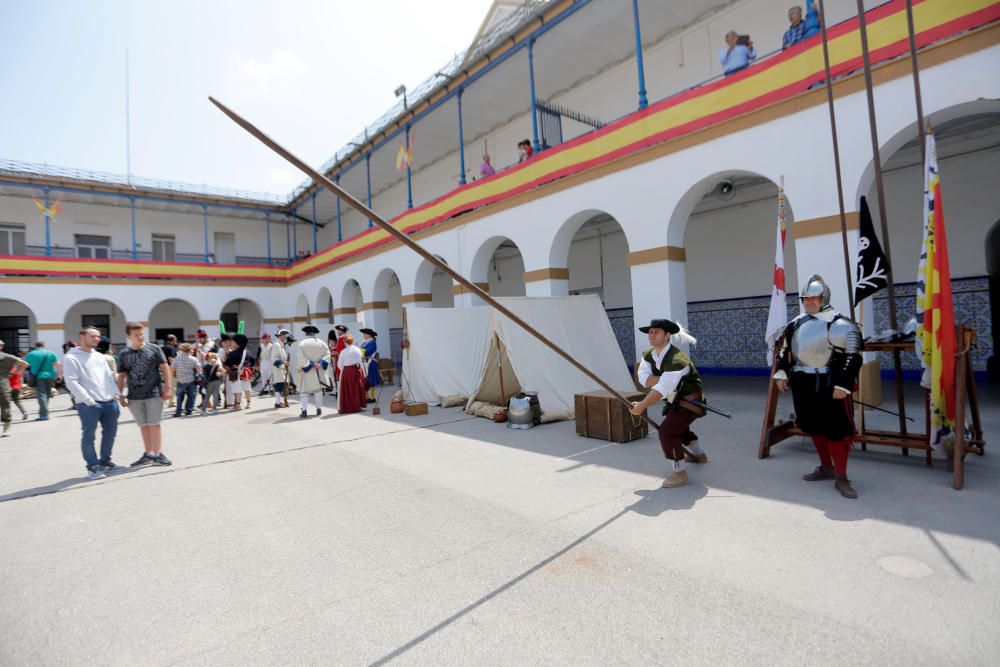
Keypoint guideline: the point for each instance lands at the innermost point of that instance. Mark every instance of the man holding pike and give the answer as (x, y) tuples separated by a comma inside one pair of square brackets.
[(672, 377)]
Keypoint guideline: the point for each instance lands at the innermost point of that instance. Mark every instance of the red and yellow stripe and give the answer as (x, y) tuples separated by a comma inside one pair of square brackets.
[(776, 79)]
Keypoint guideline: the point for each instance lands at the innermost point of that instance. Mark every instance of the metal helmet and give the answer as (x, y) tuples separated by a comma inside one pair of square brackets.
[(816, 286)]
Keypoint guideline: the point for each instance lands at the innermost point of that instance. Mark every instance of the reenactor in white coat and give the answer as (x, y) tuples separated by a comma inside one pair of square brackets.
[(312, 360)]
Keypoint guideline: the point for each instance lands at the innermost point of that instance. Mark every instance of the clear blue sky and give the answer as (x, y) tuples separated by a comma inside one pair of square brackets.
[(312, 74)]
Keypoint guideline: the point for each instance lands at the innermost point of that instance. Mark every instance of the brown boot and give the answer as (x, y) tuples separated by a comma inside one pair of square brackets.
[(675, 479), (819, 473), (844, 486)]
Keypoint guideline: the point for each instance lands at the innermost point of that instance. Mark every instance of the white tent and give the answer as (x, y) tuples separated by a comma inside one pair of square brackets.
[(464, 351)]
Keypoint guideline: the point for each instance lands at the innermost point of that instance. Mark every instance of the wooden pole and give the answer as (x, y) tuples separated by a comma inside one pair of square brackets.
[(836, 158), (417, 248), (880, 189), (916, 81)]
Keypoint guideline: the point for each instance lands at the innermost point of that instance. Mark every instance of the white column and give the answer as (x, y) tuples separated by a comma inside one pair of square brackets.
[(658, 290)]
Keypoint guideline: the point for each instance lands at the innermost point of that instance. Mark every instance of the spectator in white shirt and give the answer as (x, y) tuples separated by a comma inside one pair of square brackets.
[(96, 394)]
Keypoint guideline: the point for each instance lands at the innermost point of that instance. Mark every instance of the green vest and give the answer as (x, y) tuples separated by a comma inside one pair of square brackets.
[(675, 360)]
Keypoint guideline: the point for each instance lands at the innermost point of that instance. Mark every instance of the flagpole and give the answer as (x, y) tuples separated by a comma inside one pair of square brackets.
[(916, 80), (836, 158), (880, 189), (128, 125)]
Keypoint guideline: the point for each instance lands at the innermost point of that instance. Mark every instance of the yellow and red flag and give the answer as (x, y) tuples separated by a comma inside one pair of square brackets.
[(935, 340), (51, 211), (404, 156)]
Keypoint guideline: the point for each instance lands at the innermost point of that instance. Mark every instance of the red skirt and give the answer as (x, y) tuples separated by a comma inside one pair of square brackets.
[(352, 390)]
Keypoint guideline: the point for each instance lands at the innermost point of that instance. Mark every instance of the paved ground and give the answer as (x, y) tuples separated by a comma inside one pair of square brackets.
[(445, 539)]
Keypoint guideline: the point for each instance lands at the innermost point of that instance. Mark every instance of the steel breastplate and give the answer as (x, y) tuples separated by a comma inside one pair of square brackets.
[(811, 345)]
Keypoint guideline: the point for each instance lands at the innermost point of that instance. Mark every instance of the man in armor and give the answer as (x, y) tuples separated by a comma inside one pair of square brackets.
[(819, 356), (671, 376)]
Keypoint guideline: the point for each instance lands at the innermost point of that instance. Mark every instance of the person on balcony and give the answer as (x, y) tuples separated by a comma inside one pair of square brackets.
[(524, 150), (486, 169), (737, 53), (796, 31)]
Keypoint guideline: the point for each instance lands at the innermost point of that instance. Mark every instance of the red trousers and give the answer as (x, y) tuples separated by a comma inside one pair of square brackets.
[(833, 453), (675, 432)]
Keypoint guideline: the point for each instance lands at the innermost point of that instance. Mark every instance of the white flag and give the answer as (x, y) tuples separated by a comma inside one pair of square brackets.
[(777, 315)]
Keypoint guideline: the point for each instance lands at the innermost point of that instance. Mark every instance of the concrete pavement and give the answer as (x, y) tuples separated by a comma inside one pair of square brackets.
[(445, 539)]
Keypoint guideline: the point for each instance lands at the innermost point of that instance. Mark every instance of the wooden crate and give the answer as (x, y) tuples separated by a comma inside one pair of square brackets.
[(415, 409), (601, 415)]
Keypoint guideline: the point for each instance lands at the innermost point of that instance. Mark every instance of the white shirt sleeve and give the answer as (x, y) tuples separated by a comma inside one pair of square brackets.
[(645, 370), (668, 382)]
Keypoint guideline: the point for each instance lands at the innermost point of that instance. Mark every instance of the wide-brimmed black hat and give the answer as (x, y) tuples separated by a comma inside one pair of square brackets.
[(370, 332), (310, 329), (240, 340), (661, 323), (341, 328)]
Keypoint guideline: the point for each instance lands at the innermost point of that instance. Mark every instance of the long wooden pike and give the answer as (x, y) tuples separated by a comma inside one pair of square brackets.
[(417, 248)]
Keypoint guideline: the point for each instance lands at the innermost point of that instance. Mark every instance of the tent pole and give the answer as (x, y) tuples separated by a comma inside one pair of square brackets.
[(417, 248), (503, 394)]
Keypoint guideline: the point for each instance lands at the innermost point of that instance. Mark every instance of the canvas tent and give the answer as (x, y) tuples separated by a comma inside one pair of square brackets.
[(465, 351)]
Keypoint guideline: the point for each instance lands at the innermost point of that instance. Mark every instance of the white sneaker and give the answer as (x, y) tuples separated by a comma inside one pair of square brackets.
[(95, 473)]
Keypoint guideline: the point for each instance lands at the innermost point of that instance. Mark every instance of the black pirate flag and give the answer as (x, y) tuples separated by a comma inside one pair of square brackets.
[(873, 267)]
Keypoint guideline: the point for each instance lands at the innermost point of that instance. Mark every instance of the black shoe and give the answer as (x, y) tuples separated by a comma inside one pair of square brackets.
[(303, 414), (819, 473), (110, 466), (145, 459), (162, 460), (319, 411)]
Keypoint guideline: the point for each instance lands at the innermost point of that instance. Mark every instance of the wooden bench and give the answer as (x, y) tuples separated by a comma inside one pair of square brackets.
[(387, 369)]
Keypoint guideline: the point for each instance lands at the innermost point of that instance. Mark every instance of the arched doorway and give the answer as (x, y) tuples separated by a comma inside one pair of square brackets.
[(499, 265), (105, 316), (967, 139), (432, 280), (173, 316), (388, 291), (18, 326), (593, 246), (247, 312), (324, 308), (729, 241), (351, 301)]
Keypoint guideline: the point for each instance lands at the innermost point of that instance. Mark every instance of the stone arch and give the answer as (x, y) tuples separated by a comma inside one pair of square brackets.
[(497, 259), (727, 249), (243, 310), (351, 298), (432, 280), (324, 306), (107, 316), (176, 316), (303, 313), (18, 326), (907, 134)]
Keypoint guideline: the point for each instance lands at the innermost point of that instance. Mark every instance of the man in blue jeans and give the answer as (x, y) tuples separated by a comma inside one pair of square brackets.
[(45, 368), (93, 385)]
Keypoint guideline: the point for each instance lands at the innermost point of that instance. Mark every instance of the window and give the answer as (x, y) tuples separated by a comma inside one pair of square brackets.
[(225, 248), (231, 321), (93, 247), (11, 239), (163, 247)]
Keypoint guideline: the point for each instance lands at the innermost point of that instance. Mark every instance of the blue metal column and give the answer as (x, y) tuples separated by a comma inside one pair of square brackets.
[(48, 237), (288, 236), (340, 232), (315, 244), (461, 141), (534, 109), (204, 213), (409, 180), (638, 56), (267, 227), (368, 175), (295, 234), (135, 253)]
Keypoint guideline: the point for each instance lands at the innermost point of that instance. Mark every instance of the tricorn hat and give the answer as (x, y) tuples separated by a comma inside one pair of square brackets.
[(240, 340), (310, 329), (282, 332), (370, 332), (341, 328), (661, 323)]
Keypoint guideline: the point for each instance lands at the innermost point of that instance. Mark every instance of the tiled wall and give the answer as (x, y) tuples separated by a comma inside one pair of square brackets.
[(730, 332)]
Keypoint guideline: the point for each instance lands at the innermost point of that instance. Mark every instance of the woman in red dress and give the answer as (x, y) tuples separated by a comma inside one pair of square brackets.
[(352, 378)]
